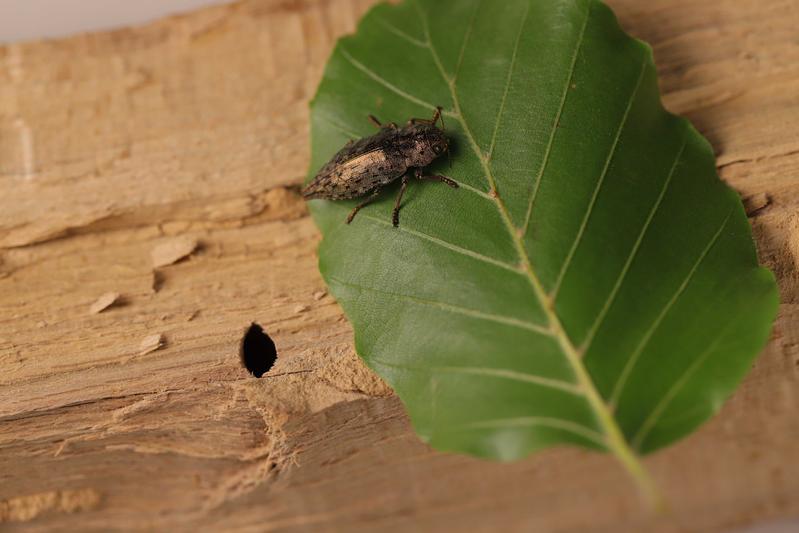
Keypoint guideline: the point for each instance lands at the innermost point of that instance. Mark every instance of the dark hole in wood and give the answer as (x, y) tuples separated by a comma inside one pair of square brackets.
[(258, 352)]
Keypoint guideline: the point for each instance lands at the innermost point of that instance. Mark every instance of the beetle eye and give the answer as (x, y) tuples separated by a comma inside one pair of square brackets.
[(437, 149)]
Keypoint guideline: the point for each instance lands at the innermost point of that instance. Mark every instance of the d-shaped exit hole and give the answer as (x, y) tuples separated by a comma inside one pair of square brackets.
[(258, 352)]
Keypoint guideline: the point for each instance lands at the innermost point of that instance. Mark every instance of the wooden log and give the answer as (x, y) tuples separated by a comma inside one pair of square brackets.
[(139, 415)]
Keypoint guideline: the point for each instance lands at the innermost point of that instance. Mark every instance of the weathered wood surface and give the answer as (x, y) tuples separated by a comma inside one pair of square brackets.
[(196, 126)]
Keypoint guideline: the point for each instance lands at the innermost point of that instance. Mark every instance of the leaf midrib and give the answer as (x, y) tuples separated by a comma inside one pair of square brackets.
[(613, 436)]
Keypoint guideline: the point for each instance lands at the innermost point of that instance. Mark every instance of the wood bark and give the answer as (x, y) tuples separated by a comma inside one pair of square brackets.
[(149, 213)]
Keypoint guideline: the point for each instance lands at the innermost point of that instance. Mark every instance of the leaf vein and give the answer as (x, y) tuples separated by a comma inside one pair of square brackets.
[(531, 421), (620, 384), (465, 42), (633, 253), (562, 106), (341, 129), (473, 313), (553, 295), (513, 375), (474, 190), (511, 70), (656, 413), (564, 386), (385, 83), (403, 35), (449, 246)]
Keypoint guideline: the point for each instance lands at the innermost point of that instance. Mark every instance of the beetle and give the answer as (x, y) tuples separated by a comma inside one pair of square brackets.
[(366, 166)]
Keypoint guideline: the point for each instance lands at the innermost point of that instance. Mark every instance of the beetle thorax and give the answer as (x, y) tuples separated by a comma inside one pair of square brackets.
[(425, 144)]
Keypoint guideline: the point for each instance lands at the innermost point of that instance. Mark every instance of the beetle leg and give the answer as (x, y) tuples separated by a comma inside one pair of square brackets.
[(432, 121), (443, 179), (373, 120), (395, 214), (362, 205)]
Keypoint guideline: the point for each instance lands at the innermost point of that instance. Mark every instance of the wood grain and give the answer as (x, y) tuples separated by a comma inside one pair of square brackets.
[(195, 127)]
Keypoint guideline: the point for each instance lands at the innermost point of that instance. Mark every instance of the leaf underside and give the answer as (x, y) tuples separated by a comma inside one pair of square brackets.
[(592, 282)]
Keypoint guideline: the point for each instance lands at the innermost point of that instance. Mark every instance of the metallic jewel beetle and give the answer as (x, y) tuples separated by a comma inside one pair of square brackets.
[(366, 166)]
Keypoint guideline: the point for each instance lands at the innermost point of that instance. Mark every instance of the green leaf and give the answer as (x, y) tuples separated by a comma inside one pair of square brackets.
[(592, 282)]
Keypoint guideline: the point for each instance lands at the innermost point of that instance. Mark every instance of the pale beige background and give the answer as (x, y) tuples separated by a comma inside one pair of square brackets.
[(36, 19)]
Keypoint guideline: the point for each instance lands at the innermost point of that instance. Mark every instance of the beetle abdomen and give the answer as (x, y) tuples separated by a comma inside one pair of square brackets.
[(352, 177)]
